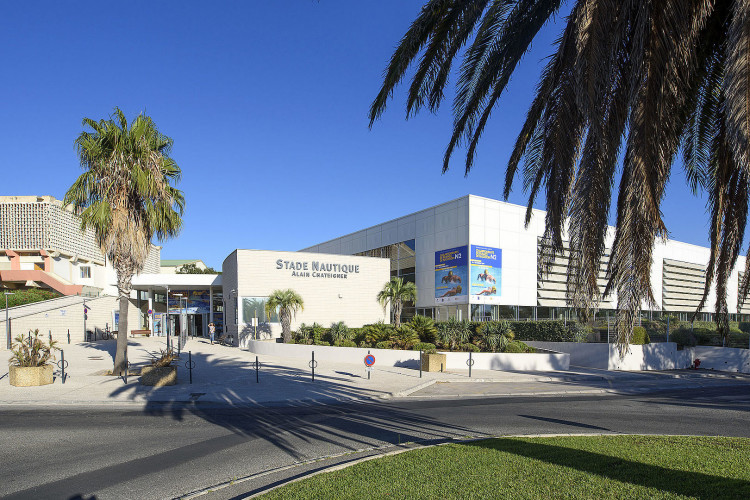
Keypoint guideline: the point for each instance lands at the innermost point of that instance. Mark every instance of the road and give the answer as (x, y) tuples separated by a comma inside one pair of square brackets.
[(166, 452)]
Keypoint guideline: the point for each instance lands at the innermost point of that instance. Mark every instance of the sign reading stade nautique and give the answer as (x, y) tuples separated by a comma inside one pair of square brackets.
[(317, 269)]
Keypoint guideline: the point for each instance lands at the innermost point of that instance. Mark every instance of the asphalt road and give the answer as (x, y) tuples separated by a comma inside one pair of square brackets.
[(166, 452)]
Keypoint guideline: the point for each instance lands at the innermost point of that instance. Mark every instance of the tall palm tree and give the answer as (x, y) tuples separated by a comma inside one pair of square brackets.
[(396, 292), (287, 302), (126, 196), (654, 77)]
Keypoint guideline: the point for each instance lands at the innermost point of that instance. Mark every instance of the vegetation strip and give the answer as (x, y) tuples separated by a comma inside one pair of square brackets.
[(542, 467)]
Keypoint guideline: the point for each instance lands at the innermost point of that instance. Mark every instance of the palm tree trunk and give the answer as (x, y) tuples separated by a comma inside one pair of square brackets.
[(286, 325), (124, 285), (397, 313)]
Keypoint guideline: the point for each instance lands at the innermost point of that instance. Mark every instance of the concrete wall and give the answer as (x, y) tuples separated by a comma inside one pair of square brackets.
[(726, 359), (410, 359), (658, 356), (328, 295)]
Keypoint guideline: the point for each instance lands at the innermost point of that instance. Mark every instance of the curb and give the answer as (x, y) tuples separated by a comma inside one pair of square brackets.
[(406, 392)]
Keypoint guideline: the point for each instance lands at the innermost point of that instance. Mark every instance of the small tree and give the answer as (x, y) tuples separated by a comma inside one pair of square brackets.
[(288, 302), (194, 269), (396, 292)]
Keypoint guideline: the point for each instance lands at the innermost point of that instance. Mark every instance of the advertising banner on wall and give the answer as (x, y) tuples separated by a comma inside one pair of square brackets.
[(452, 276), (486, 267), (190, 301)]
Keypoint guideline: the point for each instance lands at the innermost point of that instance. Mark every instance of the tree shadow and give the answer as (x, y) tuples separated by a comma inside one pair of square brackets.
[(688, 483)]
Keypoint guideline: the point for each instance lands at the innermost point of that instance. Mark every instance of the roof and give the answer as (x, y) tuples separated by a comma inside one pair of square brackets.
[(177, 262)]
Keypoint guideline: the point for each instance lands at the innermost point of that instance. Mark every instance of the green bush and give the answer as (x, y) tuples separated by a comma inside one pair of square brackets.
[(364, 344), (345, 343), (683, 337), (744, 326), (640, 336), (338, 332), (706, 336), (469, 347), (424, 327), (321, 342), (377, 332), (452, 333), (423, 346), (579, 331), (404, 337), (22, 297), (516, 346), (385, 344), (545, 331)]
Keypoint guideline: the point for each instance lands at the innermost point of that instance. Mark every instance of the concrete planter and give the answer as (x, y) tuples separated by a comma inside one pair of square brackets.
[(29, 376), (159, 376), (434, 362)]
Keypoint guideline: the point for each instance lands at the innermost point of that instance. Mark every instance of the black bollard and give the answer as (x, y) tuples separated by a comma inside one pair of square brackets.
[(257, 377), (68, 335), (441, 367), (313, 366), (178, 349), (62, 364), (420, 364), (190, 365), (470, 363)]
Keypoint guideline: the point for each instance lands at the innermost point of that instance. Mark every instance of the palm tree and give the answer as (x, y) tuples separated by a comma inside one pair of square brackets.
[(654, 77), (126, 196), (396, 292), (288, 302)]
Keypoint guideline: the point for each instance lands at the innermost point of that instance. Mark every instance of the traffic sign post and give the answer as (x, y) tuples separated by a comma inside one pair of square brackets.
[(369, 361)]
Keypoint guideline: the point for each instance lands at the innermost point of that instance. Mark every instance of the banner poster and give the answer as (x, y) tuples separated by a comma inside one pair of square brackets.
[(486, 268), (198, 302), (452, 276)]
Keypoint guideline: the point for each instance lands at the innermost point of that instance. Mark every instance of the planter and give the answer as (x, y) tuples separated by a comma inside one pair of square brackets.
[(28, 376), (159, 376), (434, 362)]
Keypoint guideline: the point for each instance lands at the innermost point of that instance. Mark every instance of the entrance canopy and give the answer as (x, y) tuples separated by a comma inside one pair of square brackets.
[(159, 282)]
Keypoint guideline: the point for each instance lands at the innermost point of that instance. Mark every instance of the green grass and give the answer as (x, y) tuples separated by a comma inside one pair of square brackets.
[(628, 467)]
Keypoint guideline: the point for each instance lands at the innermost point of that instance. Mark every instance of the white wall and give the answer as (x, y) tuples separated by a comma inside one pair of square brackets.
[(255, 273), (658, 356)]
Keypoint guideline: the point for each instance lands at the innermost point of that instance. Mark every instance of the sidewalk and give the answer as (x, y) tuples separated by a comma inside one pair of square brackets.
[(226, 376)]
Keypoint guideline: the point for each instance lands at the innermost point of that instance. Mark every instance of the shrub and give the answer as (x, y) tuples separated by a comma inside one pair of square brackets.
[(345, 343), (469, 347), (318, 332), (378, 332), (423, 346), (21, 297), (303, 333), (338, 332), (32, 351), (495, 335), (321, 342), (405, 336), (453, 332), (165, 358), (516, 346), (364, 344), (683, 337), (744, 326), (424, 327), (385, 344), (545, 331), (640, 336), (706, 336), (579, 332)]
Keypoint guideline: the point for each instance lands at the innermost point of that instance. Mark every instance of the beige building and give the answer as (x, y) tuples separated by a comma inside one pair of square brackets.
[(333, 287)]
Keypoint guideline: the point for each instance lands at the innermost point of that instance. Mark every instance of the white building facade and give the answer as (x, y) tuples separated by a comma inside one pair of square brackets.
[(473, 258)]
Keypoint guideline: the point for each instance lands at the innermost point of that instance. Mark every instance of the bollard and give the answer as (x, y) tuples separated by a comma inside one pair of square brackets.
[(189, 365), (441, 367), (420, 364), (257, 378), (312, 364), (470, 362), (68, 335), (62, 364), (178, 349)]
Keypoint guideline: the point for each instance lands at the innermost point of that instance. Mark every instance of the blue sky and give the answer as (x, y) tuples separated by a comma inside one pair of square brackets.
[(267, 105)]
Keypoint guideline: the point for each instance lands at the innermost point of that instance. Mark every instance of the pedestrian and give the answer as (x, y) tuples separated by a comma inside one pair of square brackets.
[(211, 331)]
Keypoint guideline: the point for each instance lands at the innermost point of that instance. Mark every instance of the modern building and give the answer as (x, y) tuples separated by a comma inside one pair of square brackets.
[(42, 246), (474, 258)]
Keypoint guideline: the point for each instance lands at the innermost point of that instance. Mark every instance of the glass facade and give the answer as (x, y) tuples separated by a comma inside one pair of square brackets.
[(403, 264), (255, 307)]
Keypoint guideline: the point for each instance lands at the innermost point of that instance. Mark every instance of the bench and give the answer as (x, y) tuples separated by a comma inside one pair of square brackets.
[(133, 333)]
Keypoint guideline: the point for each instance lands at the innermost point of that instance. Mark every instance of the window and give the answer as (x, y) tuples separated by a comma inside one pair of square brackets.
[(255, 307), (85, 271)]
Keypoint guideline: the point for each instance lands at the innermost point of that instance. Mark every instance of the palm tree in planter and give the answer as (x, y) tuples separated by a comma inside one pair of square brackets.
[(396, 292), (287, 302), (126, 195)]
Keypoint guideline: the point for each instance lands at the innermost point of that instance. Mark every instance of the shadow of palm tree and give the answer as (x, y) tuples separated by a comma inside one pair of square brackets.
[(687, 483)]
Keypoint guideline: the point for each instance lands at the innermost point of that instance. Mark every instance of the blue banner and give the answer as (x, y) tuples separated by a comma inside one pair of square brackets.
[(451, 275), (486, 273)]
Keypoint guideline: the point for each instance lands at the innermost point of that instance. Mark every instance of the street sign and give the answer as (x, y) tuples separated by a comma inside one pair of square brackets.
[(150, 312), (369, 369), (369, 360)]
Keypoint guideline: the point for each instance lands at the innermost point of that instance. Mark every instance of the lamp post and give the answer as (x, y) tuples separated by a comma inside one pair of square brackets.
[(7, 325), (166, 327), (182, 326)]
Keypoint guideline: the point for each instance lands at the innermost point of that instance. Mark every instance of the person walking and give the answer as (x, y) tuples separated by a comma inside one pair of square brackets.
[(211, 332)]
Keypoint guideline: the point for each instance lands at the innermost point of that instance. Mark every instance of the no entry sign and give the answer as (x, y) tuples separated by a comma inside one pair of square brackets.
[(369, 360)]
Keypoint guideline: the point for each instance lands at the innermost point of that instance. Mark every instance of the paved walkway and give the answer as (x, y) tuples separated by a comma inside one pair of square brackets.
[(226, 375)]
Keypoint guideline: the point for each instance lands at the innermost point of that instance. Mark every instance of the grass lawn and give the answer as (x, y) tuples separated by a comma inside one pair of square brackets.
[(629, 467)]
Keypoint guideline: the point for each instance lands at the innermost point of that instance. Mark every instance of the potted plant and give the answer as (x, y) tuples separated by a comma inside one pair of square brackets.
[(161, 372), (431, 360), (30, 361)]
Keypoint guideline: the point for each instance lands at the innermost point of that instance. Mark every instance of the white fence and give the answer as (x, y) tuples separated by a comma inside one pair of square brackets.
[(543, 361)]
